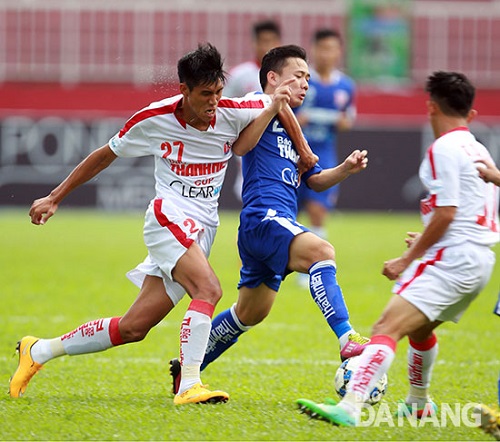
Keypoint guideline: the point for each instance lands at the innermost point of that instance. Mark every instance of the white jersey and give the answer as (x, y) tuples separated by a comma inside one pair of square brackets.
[(449, 173), (190, 164), (243, 78)]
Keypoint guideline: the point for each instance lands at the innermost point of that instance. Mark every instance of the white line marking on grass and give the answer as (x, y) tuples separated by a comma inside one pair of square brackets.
[(35, 319)]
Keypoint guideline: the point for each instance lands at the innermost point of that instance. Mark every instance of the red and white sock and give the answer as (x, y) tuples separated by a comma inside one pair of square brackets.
[(90, 337), (375, 361), (421, 359), (195, 330)]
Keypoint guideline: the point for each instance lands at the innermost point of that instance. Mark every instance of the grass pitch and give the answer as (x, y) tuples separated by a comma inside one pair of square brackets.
[(71, 270)]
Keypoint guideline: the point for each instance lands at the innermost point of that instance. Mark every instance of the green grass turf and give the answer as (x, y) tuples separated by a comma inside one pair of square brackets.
[(60, 275)]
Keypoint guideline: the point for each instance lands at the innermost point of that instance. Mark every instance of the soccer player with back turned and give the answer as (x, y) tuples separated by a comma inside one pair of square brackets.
[(444, 268)]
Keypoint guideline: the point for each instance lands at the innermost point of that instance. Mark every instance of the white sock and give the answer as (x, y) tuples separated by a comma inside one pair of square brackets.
[(90, 337), (421, 359), (374, 363), (44, 350), (195, 330)]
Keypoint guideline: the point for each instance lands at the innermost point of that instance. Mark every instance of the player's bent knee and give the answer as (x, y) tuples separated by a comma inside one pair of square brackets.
[(211, 293), (324, 251)]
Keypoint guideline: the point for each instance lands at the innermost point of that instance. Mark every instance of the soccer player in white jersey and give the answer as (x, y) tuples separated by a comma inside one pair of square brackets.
[(444, 268), (271, 242), (191, 137)]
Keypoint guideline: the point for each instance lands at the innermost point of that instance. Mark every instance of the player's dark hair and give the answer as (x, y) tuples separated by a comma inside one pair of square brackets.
[(265, 26), (276, 59), (202, 66), (323, 33), (452, 91)]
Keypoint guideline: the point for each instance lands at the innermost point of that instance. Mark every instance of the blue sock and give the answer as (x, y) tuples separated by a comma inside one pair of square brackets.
[(328, 296), (226, 328)]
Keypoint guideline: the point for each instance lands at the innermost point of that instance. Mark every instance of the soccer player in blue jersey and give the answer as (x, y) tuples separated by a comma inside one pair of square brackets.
[(328, 108), (270, 240)]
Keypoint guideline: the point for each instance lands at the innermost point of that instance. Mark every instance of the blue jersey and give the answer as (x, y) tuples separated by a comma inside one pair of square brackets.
[(270, 173), (268, 218), (324, 103)]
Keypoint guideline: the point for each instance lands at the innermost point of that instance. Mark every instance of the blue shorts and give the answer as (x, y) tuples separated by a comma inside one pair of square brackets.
[(264, 242)]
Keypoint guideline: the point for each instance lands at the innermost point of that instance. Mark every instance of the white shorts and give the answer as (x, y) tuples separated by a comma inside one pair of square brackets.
[(168, 233), (444, 282)]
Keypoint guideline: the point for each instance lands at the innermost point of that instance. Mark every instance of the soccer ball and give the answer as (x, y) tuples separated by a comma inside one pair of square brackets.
[(343, 376)]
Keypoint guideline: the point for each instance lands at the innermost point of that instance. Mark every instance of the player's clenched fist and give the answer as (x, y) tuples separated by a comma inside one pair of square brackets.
[(42, 209)]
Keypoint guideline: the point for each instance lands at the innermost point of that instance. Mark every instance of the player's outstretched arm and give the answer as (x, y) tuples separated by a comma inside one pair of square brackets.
[(418, 244), (289, 122), (354, 163), (250, 136), (42, 209)]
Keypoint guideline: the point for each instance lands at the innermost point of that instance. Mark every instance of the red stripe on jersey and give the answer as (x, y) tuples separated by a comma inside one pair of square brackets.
[(174, 228), (248, 104), (146, 113), (464, 128), (421, 268), (200, 306), (427, 205), (430, 152)]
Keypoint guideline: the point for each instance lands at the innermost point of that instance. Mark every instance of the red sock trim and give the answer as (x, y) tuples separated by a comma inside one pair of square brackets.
[(383, 340), (201, 306), (114, 331), (425, 345)]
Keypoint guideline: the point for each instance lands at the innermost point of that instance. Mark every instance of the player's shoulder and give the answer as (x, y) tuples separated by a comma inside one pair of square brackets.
[(446, 147), (164, 106), (455, 136), (166, 103), (154, 109), (252, 100)]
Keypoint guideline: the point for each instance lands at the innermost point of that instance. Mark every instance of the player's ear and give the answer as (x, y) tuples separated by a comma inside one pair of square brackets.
[(184, 89), (272, 78), (471, 115), (432, 107)]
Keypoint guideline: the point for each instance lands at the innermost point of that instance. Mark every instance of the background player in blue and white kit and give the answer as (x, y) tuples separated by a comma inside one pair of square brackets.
[(329, 107), (271, 242)]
